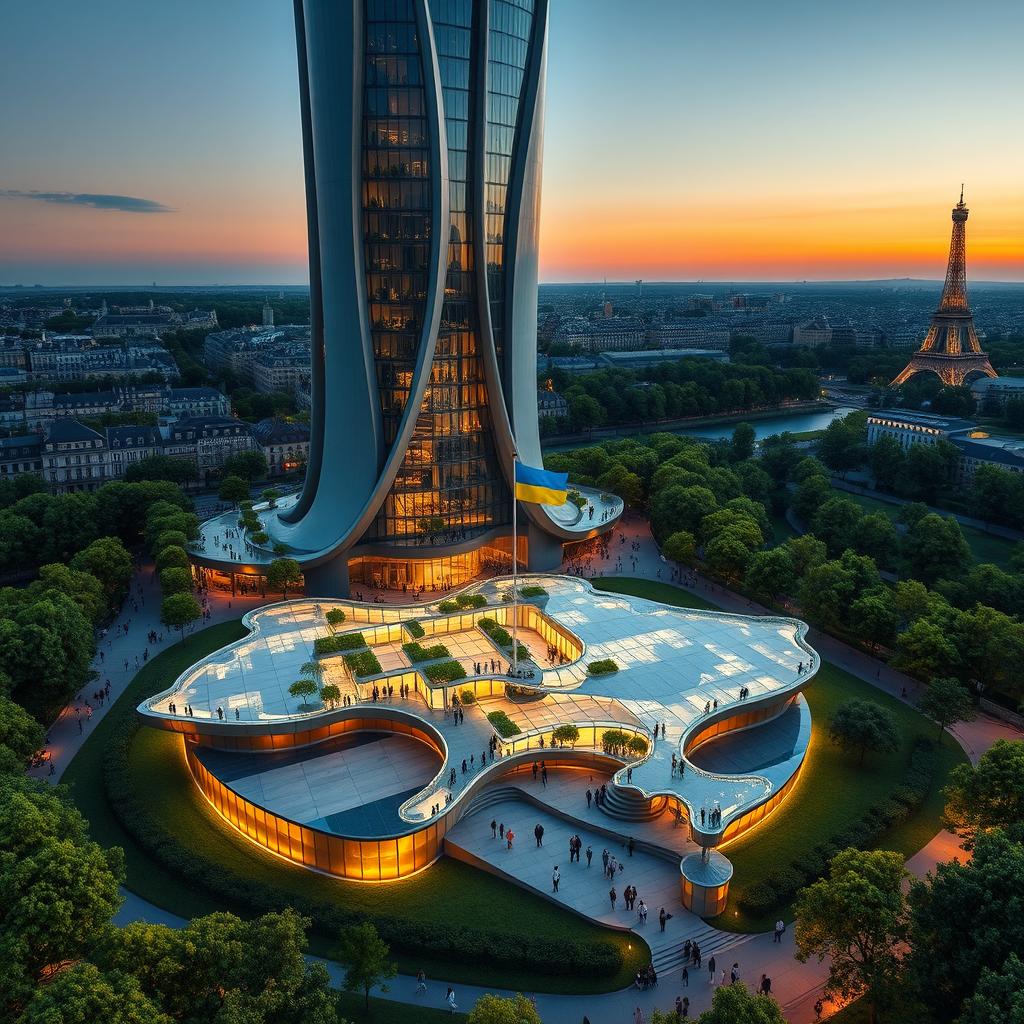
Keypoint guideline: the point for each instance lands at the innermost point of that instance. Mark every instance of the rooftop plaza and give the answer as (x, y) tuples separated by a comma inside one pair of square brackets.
[(429, 716)]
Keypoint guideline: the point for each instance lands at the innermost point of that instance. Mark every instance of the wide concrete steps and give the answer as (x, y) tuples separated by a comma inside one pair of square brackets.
[(626, 806)]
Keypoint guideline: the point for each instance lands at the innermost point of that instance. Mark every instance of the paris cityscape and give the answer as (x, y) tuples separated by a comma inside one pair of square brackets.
[(511, 512)]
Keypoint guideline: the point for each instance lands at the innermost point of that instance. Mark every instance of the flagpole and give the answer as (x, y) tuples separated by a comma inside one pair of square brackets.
[(515, 571)]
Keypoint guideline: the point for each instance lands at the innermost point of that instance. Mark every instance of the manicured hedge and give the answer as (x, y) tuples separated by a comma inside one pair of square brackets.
[(336, 616), (533, 591), (428, 938), (503, 725), (413, 628), (784, 883), (603, 667), (467, 697), (444, 671), (416, 652), (498, 634), (364, 663), (462, 602), (338, 642)]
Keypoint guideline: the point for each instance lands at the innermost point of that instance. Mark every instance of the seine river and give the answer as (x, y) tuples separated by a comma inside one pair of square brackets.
[(797, 423)]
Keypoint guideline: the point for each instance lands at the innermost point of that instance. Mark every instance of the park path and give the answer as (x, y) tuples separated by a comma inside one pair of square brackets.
[(119, 656), (795, 985)]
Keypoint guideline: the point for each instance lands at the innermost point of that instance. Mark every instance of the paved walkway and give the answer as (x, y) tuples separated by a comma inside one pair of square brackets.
[(119, 656)]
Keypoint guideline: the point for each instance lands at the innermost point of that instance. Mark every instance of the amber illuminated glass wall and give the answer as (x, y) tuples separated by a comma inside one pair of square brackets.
[(449, 487)]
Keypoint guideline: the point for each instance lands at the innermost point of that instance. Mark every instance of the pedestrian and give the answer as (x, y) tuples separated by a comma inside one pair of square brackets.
[(590, 854), (734, 974), (766, 985), (555, 879), (612, 896), (539, 834), (501, 830), (662, 918), (450, 1000), (711, 971), (686, 976), (509, 836), (638, 1016), (590, 796), (780, 927), (494, 828), (421, 983), (630, 846)]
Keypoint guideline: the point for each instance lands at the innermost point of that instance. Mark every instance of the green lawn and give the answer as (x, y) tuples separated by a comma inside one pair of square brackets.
[(985, 547), (383, 1011), (448, 890), (653, 590), (833, 791)]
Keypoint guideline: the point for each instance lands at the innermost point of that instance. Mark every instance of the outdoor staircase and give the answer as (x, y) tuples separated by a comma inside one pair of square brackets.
[(625, 805)]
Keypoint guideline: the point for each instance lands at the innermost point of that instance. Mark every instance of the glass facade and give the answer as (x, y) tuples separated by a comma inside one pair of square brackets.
[(450, 486), (396, 200), (509, 26)]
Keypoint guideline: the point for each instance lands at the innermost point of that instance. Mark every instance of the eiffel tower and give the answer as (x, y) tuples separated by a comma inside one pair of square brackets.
[(951, 349)]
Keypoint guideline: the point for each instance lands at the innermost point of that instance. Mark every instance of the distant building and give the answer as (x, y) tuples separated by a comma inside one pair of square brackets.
[(992, 393), (268, 314), (763, 332), (127, 445), (908, 428), (689, 334), (209, 440), (285, 445), (282, 368), (551, 403), (812, 333), (636, 360), (190, 402), (22, 453), (151, 323), (237, 351), (976, 446), (73, 457)]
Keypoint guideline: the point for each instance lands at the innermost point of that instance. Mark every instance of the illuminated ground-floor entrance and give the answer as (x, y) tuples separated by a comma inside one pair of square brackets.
[(434, 574)]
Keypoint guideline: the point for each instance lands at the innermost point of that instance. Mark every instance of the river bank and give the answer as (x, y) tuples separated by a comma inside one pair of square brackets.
[(800, 417)]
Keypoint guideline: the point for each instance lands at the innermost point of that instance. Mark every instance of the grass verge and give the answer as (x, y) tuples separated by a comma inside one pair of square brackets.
[(652, 590), (449, 891), (985, 547), (832, 791)]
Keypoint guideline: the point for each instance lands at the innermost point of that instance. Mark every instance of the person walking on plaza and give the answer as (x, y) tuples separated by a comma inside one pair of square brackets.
[(685, 979), (555, 879), (612, 896), (509, 836), (780, 927), (421, 983), (450, 1000), (494, 828), (538, 833), (711, 971), (662, 918), (590, 854), (590, 796)]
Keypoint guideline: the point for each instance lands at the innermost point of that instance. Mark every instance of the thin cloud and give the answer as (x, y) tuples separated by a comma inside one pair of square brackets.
[(97, 201)]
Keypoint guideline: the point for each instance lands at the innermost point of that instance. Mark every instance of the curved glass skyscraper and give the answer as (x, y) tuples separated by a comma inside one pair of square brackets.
[(422, 132)]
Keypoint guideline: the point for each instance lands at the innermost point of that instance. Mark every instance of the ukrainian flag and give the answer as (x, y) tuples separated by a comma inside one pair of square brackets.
[(541, 486)]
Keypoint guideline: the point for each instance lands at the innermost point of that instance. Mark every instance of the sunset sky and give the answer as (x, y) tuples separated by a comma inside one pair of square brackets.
[(730, 141)]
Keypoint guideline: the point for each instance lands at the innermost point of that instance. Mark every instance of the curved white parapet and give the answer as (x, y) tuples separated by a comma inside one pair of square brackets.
[(672, 663)]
